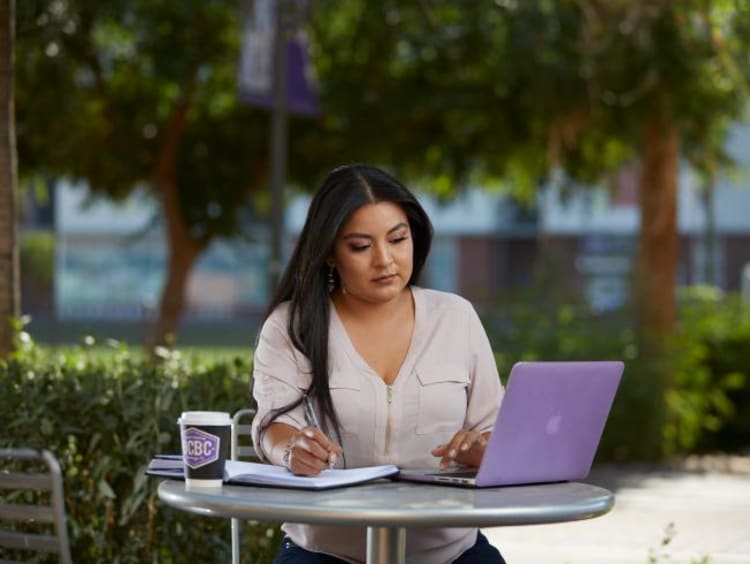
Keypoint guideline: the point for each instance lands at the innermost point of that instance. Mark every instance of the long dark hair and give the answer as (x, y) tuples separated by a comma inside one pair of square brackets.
[(304, 283)]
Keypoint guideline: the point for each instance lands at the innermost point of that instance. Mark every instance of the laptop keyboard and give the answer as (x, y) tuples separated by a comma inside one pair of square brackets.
[(457, 473)]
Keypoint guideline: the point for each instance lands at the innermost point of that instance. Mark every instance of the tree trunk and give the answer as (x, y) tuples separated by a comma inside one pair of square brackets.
[(9, 269), (182, 248), (182, 256), (659, 241), (657, 276)]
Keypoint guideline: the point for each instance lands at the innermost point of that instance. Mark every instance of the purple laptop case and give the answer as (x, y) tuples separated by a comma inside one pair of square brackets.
[(550, 422)]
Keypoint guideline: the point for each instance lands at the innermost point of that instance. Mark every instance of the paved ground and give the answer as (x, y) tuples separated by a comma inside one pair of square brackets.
[(701, 506)]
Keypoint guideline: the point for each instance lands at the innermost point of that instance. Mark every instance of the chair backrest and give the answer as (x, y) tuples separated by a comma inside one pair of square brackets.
[(44, 504), (241, 445)]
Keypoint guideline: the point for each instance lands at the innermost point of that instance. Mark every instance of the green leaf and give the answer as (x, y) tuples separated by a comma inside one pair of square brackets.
[(105, 489)]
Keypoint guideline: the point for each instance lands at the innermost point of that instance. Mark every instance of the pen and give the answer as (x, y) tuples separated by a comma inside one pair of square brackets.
[(312, 419)]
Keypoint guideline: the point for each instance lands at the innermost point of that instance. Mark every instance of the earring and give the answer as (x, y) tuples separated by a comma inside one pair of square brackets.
[(331, 280)]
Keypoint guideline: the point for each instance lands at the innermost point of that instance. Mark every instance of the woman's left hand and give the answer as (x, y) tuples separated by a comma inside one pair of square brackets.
[(466, 448)]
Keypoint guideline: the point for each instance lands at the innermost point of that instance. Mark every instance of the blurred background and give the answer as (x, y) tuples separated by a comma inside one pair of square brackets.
[(529, 130), (586, 165)]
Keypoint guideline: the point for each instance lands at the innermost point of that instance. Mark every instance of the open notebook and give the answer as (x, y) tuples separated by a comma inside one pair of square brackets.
[(547, 429), (257, 474)]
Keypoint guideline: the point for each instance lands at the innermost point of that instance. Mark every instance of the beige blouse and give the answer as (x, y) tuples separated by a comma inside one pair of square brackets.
[(448, 381)]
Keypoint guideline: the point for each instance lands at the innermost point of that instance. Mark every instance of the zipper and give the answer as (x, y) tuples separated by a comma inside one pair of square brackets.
[(389, 399)]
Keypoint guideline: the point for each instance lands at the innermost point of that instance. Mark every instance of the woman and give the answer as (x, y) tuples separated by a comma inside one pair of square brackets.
[(397, 374)]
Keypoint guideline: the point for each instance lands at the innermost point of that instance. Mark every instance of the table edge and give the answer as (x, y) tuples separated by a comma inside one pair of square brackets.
[(600, 502)]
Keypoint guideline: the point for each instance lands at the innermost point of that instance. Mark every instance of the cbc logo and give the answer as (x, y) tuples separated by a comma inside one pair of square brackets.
[(200, 447)]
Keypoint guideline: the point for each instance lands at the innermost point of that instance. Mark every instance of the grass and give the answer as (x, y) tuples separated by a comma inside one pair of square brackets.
[(661, 554)]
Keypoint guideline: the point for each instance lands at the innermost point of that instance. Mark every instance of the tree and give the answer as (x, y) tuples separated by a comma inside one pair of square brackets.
[(9, 276), (646, 81), (518, 89), (440, 90), (130, 94)]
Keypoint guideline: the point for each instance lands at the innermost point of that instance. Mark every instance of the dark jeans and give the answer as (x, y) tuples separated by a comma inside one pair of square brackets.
[(289, 553)]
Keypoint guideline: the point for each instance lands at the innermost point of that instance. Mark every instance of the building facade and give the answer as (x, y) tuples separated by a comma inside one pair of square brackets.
[(109, 258)]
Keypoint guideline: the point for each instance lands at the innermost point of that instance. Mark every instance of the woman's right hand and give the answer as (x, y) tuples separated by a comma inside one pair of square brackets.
[(466, 448), (309, 450)]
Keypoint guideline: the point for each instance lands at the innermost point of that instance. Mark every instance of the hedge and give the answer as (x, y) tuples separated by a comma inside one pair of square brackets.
[(104, 416)]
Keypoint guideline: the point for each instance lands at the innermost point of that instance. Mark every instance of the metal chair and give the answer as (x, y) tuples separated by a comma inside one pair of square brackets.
[(238, 450), (35, 485)]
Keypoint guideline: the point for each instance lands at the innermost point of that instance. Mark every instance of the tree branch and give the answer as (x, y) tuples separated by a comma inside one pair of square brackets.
[(165, 173)]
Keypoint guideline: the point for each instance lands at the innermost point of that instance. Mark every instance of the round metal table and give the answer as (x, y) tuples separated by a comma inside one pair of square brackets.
[(387, 508)]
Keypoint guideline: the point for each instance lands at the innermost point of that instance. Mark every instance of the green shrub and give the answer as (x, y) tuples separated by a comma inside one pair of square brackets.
[(104, 416), (720, 326), (708, 360)]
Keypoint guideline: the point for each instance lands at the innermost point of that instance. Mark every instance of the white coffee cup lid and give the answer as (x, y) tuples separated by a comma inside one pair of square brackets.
[(205, 418)]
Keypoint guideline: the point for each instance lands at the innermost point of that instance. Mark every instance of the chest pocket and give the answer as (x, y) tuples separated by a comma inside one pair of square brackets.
[(442, 397), (346, 395)]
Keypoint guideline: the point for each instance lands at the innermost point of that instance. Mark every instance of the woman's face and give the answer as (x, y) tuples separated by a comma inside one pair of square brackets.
[(374, 253)]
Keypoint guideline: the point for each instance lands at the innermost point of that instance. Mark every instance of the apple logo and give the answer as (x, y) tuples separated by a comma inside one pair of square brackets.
[(553, 425)]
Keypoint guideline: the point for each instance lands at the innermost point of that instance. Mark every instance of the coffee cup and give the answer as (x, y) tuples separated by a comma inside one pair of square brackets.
[(204, 436)]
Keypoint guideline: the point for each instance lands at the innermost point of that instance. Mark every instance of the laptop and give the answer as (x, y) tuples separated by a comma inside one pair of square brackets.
[(547, 429)]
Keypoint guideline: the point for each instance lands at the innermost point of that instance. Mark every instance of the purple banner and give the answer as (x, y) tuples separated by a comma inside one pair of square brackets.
[(256, 65)]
